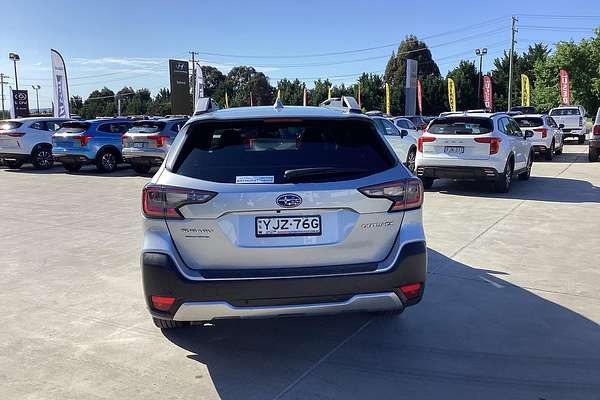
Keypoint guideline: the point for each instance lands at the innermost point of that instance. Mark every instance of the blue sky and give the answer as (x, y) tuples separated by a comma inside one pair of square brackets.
[(116, 43)]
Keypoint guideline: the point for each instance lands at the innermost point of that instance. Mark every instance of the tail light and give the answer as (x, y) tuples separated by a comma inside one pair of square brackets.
[(84, 139), (596, 130), (544, 132), (163, 303), (164, 201), (406, 194), (424, 139), (494, 143), (411, 291), (160, 140), (124, 139), (16, 134)]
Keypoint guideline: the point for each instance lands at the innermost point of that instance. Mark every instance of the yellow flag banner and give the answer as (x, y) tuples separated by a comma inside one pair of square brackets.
[(387, 98), (226, 101), (279, 93), (329, 93), (525, 91), (451, 94)]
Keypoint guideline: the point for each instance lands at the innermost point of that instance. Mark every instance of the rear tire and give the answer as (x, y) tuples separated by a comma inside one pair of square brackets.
[(581, 139), (141, 168), (427, 182), (107, 161), (14, 164), (410, 160), (71, 166), (559, 151), (42, 158), (502, 185), (168, 323), (593, 154), (550, 152)]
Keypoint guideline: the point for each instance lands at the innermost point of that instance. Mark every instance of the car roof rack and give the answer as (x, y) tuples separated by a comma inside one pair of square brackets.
[(205, 105), (344, 103)]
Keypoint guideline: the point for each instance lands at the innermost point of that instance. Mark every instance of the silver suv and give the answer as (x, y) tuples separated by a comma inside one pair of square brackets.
[(273, 211)]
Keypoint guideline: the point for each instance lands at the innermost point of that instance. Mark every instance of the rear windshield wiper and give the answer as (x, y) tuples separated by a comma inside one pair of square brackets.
[(305, 174)]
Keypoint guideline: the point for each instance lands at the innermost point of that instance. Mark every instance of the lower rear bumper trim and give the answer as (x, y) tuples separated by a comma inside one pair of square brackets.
[(478, 173), (206, 311)]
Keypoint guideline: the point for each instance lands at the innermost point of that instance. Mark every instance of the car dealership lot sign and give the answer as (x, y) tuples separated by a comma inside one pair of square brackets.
[(180, 87), (20, 100)]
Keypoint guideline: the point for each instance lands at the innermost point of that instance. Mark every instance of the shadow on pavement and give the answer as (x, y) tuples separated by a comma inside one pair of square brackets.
[(122, 171), (473, 336), (562, 190)]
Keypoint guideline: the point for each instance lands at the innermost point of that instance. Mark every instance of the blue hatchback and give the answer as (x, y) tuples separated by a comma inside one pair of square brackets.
[(96, 141)]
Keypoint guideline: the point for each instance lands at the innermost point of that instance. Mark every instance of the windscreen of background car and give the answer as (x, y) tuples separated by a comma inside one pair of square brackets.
[(73, 127), (461, 126), (8, 125), (564, 112), (529, 122), (147, 127), (220, 152)]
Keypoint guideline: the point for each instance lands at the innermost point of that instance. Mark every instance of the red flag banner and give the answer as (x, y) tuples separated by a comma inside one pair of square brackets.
[(488, 99), (420, 97), (565, 90)]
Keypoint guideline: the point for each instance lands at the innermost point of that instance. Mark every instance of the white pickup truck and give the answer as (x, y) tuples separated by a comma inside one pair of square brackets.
[(573, 120)]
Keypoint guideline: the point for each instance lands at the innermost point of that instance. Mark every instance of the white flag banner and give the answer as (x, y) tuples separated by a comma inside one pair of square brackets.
[(61, 88), (12, 103), (199, 91)]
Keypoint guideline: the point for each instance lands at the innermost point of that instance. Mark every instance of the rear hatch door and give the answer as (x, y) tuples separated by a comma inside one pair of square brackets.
[(145, 135), (458, 137), (571, 118), (286, 195), (71, 135), (10, 133)]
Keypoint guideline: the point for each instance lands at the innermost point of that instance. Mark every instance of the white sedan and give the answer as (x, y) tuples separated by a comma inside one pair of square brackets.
[(404, 144)]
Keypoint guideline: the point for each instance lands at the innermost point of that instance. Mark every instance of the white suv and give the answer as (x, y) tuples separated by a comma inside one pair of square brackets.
[(475, 146), (28, 139), (547, 134)]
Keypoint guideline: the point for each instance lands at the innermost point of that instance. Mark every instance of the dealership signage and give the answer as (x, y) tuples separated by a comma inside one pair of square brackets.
[(488, 98), (565, 90), (61, 89), (20, 101), (181, 103)]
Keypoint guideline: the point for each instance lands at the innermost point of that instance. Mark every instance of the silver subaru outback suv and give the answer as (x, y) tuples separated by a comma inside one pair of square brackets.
[(277, 211)]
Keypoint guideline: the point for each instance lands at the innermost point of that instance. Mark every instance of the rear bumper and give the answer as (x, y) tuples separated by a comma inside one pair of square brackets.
[(539, 148), (476, 173), (202, 300), (73, 158), (153, 157), (575, 132)]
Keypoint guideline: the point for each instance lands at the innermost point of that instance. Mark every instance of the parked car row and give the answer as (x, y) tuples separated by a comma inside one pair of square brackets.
[(103, 142)]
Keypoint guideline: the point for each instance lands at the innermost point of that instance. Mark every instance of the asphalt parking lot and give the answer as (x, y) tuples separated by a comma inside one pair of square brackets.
[(511, 311)]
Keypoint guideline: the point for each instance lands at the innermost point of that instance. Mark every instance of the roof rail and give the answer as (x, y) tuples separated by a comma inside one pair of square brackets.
[(205, 105), (278, 106), (344, 103)]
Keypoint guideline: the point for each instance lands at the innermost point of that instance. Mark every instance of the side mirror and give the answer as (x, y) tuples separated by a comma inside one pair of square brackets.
[(528, 134), (403, 132), (560, 126)]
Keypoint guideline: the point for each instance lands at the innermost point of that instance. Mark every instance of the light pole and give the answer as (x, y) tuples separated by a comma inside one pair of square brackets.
[(37, 99), (480, 53), (15, 57)]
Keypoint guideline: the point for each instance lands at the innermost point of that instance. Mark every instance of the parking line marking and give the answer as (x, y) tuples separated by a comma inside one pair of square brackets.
[(322, 359), (496, 285)]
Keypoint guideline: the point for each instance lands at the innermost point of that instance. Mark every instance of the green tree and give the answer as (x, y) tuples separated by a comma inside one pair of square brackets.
[(395, 71), (435, 95), (242, 81), (75, 105), (465, 77), (319, 93), (372, 92), (161, 104), (292, 92)]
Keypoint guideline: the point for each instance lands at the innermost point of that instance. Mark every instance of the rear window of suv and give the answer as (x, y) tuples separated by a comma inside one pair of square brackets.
[(8, 125), (564, 111), (226, 151), (461, 126), (147, 127), (73, 127), (529, 122)]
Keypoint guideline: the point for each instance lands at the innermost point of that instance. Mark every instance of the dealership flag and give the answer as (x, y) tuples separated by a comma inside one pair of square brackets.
[(359, 100), (387, 98), (12, 103), (451, 94), (61, 88), (329, 93), (305, 98), (525, 91), (488, 98), (565, 90), (226, 101), (420, 97), (199, 85)]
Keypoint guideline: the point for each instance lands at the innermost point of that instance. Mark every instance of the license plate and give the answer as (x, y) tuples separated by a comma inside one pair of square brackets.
[(454, 149), (139, 145), (64, 144), (305, 225)]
